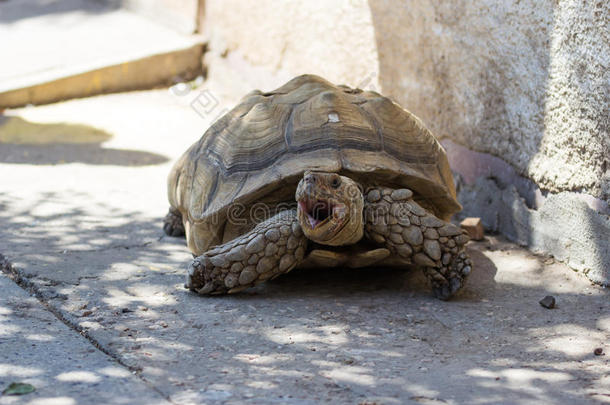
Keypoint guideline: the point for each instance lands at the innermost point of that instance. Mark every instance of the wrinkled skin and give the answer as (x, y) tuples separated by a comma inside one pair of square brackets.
[(330, 208)]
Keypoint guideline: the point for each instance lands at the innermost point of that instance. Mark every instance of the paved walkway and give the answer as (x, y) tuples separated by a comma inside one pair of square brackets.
[(63, 366), (54, 50), (81, 225)]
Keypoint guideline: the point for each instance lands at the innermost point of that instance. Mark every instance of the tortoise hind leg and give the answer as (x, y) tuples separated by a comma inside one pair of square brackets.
[(273, 247), (394, 220), (172, 223)]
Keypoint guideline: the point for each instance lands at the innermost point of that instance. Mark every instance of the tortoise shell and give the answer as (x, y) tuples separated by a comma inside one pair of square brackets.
[(258, 151)]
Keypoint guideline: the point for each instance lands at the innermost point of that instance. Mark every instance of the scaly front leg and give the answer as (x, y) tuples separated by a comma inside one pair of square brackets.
[(394, 220), (273, 247)]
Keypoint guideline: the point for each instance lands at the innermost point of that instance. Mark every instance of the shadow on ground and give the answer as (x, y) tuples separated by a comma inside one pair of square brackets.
[(345, 336), (25, 142)]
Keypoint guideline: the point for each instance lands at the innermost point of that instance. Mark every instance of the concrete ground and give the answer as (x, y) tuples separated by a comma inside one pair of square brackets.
[(81, 230), (62, 365), (54, 50)]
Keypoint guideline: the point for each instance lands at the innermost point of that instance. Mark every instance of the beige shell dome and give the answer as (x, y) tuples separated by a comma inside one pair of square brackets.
[(259, 150)]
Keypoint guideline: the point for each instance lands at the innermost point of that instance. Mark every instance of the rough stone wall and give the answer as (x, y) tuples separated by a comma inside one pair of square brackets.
[(525, 80), (521, 85)]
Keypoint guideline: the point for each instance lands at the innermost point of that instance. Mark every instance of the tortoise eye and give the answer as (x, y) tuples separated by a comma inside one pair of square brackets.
[(336, 182)]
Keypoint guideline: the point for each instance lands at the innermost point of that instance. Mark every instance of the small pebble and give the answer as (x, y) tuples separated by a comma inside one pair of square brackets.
[(598, 351), (548, 302), (474, 227)]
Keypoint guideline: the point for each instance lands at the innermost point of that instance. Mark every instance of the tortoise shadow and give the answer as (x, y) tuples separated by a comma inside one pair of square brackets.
[(371, 281)]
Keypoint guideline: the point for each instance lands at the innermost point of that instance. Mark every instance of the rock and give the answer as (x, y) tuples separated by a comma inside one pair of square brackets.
[(598, 351), (548, 302), (18, 388), (474, 227)]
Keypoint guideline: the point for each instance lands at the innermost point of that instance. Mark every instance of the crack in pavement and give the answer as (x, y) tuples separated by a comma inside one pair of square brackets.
[(16, 275), (113, 247)]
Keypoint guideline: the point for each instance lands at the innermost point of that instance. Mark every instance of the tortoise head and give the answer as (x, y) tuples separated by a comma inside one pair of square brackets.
[(330, 208)]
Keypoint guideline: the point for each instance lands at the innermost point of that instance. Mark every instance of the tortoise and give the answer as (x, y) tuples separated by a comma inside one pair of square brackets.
[(314, 174)]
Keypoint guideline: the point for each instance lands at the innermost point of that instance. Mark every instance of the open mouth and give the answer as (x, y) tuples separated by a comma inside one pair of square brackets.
[(319, 212)]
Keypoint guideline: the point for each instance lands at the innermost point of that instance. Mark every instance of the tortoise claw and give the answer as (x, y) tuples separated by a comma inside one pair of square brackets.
[(446, 291), (172, 223)]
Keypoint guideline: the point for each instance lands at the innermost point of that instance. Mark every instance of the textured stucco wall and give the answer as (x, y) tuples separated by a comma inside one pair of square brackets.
[(521, 85), (525, 80), (334, 39)]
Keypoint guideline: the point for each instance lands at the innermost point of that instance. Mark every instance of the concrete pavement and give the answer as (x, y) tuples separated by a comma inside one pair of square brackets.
[(64, 367), (57, 50), (85, 235)]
